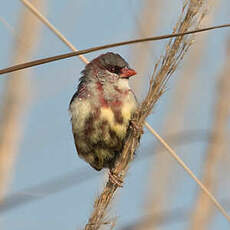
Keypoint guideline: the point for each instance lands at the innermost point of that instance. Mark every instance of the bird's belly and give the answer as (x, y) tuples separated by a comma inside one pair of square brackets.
[(99, 132)]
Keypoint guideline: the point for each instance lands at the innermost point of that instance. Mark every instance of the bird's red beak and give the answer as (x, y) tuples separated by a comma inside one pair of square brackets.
[(127, 72)]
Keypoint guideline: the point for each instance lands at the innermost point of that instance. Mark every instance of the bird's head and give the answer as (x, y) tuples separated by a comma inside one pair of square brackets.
[(111, 63)]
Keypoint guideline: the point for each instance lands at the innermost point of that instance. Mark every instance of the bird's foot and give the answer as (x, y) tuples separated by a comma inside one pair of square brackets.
[(136, 126), (114, 179)]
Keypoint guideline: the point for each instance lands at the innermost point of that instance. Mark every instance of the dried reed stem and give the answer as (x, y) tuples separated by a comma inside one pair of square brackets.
[(42, 61), (52, 28), (158, 196), (15, 101), (174, 54), (203, 210)]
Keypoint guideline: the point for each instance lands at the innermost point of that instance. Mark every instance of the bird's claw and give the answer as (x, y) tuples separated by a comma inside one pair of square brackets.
[(114, 179), (136, 126)]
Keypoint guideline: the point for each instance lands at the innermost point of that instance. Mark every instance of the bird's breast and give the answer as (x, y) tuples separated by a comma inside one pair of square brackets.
[(116, 114)]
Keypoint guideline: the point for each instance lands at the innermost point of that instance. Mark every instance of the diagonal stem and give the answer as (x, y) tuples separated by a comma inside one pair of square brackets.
[(96, 48), (188, 170), (52, 28)]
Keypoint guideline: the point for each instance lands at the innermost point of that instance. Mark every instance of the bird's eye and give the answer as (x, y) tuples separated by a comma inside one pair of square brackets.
[(114, 69)]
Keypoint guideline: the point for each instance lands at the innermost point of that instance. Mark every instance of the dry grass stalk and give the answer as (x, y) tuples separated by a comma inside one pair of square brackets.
[(162, 172), (15, 101), (173, 123), (52, 28), (203, 209), (192, 14), (42, 61)]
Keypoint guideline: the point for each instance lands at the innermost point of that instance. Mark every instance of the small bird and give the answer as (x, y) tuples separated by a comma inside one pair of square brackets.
[(101, 110)]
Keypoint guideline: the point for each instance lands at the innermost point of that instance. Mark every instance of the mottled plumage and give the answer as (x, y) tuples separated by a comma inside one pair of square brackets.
[(101, 110)]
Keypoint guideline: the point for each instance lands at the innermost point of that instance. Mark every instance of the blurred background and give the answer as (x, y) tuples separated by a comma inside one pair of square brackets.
[(43, 183)]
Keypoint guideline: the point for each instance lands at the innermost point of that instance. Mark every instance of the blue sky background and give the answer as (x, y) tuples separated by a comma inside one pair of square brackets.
[(47, 148)]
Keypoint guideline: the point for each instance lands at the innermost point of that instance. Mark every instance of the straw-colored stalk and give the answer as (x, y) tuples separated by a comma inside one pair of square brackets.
[(16, 98), (203, 209), (162, 172)]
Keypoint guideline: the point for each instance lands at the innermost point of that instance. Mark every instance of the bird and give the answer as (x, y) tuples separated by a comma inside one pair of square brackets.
[(101, 110)]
